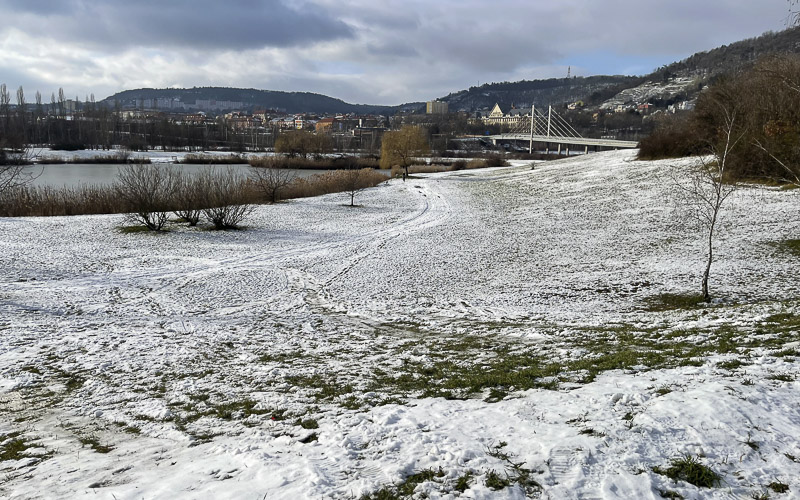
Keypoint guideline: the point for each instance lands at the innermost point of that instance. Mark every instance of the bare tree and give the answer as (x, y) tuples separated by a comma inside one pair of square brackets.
[(271, 181), (228, 198), (21, 110), (13, 171), (148, 193), (356, 180), (709, 186), (5, 109)]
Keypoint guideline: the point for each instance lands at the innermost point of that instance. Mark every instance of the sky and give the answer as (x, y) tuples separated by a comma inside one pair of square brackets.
[(362, 51)]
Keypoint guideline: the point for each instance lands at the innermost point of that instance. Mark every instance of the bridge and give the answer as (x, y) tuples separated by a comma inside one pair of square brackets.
[(553, 129)]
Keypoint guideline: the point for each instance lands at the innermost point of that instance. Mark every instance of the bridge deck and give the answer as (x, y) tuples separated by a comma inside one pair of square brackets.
[(577, 141)]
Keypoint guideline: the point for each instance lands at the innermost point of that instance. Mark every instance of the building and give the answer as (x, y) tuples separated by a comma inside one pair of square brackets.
[(436, 108), (513, 117)]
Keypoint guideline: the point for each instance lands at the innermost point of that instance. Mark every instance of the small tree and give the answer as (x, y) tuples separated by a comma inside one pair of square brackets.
[(711, 184), (228, 198), (402, 146), (148, 192), (271, 181), (356, 180)]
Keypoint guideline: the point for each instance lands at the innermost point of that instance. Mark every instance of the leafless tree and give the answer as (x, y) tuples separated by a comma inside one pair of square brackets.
[(271, 181), (13, 167), (190, 194), (709, 185), (356, 180), (794, 13), (148, 192), (21, 111), (5, 109), (228, 202)]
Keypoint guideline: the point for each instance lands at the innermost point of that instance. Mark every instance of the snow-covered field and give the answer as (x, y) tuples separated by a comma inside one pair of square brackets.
[(474, 334)]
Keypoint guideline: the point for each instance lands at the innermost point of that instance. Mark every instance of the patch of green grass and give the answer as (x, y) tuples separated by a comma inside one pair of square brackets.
[(778, 487), (406, 488), (663, 390), (385, 493), (95, 444), (782, 377), (731, 364), (462, 483), (325, 390), (791, 247), (670, 494), (130, 429), (410, 483), (496, 482), (238, 409), (309, 423), (12, 447), (280, 357), (591, 432), (688, 468), (674, 301), (139, 229)]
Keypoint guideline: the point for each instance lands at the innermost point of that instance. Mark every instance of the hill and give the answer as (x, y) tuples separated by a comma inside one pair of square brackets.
[(680, 80), (215, 99)]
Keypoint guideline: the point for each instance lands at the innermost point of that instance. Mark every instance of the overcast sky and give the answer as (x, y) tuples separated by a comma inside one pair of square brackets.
[(362, 51)]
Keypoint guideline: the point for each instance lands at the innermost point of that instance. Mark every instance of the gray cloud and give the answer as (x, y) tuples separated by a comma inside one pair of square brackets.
[(120, 24), (358, 50)]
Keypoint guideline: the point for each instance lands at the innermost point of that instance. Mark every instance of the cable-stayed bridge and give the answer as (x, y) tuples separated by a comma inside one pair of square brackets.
[(551, 128)]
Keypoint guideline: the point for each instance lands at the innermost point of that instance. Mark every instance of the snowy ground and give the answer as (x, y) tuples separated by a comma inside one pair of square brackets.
[(497, 326)]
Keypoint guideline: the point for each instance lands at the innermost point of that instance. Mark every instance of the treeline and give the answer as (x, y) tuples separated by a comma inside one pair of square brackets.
[(737, 56), (758, 111), (67, 124)]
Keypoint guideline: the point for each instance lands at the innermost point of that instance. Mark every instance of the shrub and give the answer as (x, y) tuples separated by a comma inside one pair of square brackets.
[(228, 198), (147, 192), (674, 137), (190, 198)]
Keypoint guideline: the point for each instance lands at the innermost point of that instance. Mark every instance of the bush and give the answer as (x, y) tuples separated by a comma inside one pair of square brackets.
[(190, 198), (147, 192), (228, 198)]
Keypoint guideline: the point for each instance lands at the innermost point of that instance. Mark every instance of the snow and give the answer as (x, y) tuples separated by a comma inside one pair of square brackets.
[(138, 341)]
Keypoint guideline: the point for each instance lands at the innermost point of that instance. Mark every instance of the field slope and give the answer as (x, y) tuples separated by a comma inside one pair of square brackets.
[(497, 333)]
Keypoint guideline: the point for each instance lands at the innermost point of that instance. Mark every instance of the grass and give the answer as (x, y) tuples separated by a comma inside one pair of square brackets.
[(495, 481), (140, 229), (13, 447), (95, 444), (688, 468), (791, 247), (406, 488), (674, 301), (493, 367), (309, 423), (463, 482), (778, 487)]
